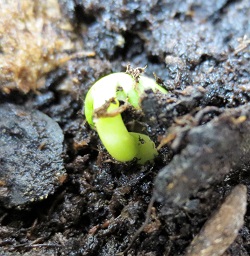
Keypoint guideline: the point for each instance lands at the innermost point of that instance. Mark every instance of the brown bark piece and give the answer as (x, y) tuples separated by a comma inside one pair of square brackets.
[(222, 228)]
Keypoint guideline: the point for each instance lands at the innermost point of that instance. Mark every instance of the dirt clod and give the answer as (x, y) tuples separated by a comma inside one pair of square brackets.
[(30, 155)]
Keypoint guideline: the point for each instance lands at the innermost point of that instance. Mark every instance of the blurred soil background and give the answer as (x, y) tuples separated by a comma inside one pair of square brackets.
[(60, 191)]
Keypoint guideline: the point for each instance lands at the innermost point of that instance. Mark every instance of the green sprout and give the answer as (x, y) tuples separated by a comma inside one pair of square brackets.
[(103, 113)]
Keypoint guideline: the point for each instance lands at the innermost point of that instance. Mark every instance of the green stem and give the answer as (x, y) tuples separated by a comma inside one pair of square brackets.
[(116, 138), (121, 144)]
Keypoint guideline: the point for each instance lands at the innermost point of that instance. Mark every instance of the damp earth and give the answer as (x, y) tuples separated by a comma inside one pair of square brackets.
[(60, 191)]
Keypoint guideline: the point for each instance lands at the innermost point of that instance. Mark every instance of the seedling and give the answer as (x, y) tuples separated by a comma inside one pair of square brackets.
[(103, 113)]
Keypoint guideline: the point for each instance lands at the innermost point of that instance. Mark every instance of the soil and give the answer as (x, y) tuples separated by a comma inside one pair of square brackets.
[(60, 191)]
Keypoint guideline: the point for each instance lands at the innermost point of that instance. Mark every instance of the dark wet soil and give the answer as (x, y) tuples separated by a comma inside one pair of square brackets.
[(79, 201)]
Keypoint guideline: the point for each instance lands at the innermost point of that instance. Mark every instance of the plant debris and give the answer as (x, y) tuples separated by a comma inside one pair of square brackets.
[(33, 43), (219, 232)]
